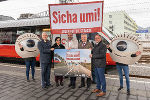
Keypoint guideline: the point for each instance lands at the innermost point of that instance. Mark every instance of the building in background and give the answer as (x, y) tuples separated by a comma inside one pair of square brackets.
[(144, 36), (3, 18), (25, 16), (119, 22)]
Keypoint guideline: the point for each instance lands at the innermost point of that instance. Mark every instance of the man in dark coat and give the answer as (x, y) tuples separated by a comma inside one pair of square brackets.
[(45, 60), (99, 61)]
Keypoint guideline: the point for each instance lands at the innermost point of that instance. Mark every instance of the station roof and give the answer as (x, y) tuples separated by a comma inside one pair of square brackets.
[(25, 22)]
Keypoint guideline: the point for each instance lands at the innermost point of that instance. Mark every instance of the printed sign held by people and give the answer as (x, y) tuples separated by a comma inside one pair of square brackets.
[(74, 62)]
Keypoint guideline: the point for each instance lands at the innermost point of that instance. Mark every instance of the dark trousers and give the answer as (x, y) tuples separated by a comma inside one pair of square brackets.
[(57, 78), (93, 71), (73, 81), (93, 75), (124, 68), (45, 74), (88, 82), (28, 64)]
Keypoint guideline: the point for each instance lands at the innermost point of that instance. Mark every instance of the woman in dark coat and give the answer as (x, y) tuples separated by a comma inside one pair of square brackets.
[(58, 45)]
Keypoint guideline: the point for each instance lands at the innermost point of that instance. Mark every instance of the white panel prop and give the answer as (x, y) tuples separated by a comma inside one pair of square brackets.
[(123, 46), (29, 42)]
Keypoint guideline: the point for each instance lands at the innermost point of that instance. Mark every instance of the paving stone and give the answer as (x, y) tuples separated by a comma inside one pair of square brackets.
[(5, 97), (93, 96), (44, 97), (83, 97), (72, 98), (123, 97), (40, 93), (61, 99), (101, 98), (114, 93), (140, 86), (27, 96), (73, 90), (32, 98), (88, 92), (54, 97), (112, 97), (142, 98), (133, 97), (148, 93), (141, 93), (63, 90), (53, 92), (15, 87), (66, 95), (77, 93)]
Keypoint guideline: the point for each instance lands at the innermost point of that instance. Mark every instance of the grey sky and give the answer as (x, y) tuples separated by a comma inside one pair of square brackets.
[(137, 9)]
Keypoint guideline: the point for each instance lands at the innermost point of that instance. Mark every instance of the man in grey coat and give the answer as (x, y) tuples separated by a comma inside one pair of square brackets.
[(85, 44), (99, 61), (45, 60)]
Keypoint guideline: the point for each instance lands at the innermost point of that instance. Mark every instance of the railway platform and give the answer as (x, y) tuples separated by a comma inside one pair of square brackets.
[(13, 86)]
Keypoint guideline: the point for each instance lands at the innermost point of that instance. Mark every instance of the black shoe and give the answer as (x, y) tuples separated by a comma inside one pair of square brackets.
[(50, 85), (88, 86), (87, 89), (61, 83), (73, 87), (44, 87), (28, 80), (69, 85), (128, 92), (81, 86), (33, 79), (66, 77), (120, 88), (57, 84)]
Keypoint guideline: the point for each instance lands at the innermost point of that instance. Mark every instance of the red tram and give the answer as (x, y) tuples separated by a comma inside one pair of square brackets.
[(10, 30)]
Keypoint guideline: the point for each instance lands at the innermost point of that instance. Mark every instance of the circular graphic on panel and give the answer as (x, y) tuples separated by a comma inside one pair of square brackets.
[(123, 46), (29, 42)]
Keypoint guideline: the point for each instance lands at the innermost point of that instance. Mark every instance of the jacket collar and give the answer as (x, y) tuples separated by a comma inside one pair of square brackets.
[(98, 43), (44, 41)]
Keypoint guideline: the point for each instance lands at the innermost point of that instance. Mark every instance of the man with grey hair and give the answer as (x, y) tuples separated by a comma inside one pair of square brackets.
[(44, 47), (85, 44)]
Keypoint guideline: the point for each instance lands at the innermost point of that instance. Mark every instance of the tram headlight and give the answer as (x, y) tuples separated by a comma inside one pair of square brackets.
[(29, 42), (123, 46)]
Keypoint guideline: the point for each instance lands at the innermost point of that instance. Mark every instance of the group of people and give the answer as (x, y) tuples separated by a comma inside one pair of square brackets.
[(98, 58)]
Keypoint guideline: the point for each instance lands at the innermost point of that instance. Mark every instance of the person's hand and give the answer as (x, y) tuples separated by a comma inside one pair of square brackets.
[(20, 46), (52, 49), (90, 48), (107, 46), (138, 53), (90, 55), (68, 48)]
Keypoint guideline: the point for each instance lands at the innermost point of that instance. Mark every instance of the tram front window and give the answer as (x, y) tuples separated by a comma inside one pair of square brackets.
[(23, 30)]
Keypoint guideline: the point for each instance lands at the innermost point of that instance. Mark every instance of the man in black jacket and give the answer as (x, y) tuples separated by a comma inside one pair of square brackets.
[(99, 61), (45, 59)]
